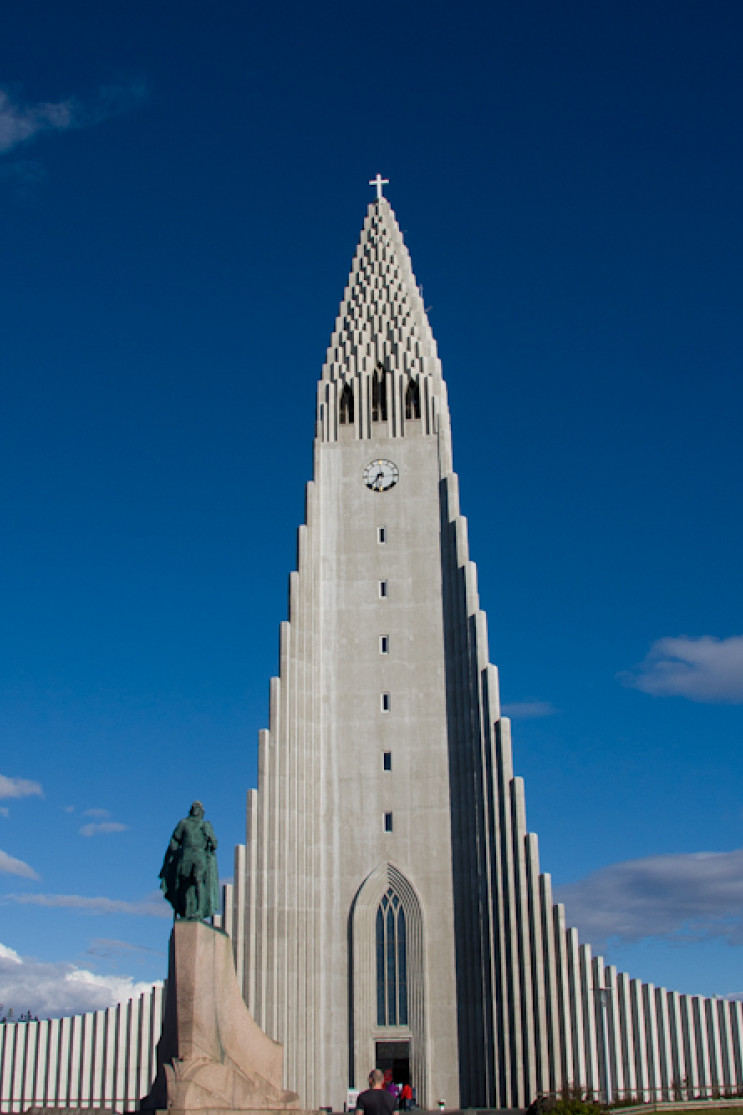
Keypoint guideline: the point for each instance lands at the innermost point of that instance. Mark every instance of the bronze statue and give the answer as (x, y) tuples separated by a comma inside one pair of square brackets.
[(189, 878)]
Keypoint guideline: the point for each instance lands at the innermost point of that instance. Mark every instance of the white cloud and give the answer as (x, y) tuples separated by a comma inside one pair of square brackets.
[(97, 827), (9, 865), (20, 122), (153, 905), (528, 710), (674, 897), (53, 989), (19, 788), (702, 668), (100, 813)]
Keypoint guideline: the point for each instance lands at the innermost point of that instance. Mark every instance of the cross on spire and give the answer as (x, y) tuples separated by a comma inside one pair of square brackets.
[(379, 181)]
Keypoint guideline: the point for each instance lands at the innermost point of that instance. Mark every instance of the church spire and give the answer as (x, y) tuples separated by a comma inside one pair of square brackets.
[(381, 335)]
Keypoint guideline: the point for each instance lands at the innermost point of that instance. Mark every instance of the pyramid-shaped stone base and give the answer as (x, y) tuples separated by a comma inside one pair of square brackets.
[(212, 1058)]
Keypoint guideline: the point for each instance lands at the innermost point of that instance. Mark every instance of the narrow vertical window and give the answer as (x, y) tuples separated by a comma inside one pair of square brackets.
[(413, 400), (392, 961), (382, 589), (385, 702), (345, 413), (382, 535), (402, 967), (391, 954), (388, 822), (387, 760), (384, 644), (379, 395)]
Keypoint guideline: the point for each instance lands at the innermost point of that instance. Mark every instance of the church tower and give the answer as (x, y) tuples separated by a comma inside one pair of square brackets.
[(387, 908), (349, 906)]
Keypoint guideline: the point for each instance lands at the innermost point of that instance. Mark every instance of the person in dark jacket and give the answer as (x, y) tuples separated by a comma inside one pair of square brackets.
[(376, 1100)]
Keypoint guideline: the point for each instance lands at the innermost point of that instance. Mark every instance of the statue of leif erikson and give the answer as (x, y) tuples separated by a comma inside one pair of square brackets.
[(189, 878)]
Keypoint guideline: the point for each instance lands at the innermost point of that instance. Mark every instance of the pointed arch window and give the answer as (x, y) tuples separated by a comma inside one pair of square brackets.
[(345, 413), (379, 395), (413, 400), (392, 962)]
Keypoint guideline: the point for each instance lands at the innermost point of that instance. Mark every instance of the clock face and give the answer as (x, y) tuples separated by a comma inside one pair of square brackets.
[(381, 475)]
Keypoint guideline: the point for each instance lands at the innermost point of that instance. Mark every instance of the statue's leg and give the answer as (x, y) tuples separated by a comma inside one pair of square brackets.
[(199, 878), (192, 896)]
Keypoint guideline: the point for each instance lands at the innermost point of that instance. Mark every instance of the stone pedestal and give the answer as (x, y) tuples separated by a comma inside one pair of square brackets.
[(212, 1056)]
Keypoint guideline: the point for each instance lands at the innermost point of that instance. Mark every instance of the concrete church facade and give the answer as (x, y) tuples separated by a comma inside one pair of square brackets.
[(388, 906)]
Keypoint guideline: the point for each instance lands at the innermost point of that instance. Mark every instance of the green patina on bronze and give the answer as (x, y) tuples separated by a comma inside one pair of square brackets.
[(189, 878)]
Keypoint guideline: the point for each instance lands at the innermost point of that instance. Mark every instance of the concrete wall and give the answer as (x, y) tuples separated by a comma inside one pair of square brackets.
[(105, 1058)]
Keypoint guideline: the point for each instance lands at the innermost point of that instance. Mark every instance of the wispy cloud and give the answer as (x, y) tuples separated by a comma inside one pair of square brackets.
[(153, 905), (9, 865), (4, 811), (20, 122), (674, 897), (701, 668), (19, 788), (54, 989), (528, 710), (100, 813), (107, 948), (97, 827)]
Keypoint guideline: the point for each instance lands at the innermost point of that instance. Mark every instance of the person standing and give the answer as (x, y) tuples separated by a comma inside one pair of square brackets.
[(376, 1100)]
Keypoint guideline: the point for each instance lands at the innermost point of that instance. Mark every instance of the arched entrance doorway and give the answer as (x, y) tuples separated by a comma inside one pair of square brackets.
[(387, 981)]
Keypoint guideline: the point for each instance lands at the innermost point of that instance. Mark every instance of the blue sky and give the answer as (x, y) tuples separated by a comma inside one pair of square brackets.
[(181, 190)]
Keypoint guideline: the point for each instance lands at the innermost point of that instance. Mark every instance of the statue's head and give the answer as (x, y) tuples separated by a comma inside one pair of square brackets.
[(196, 810)]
